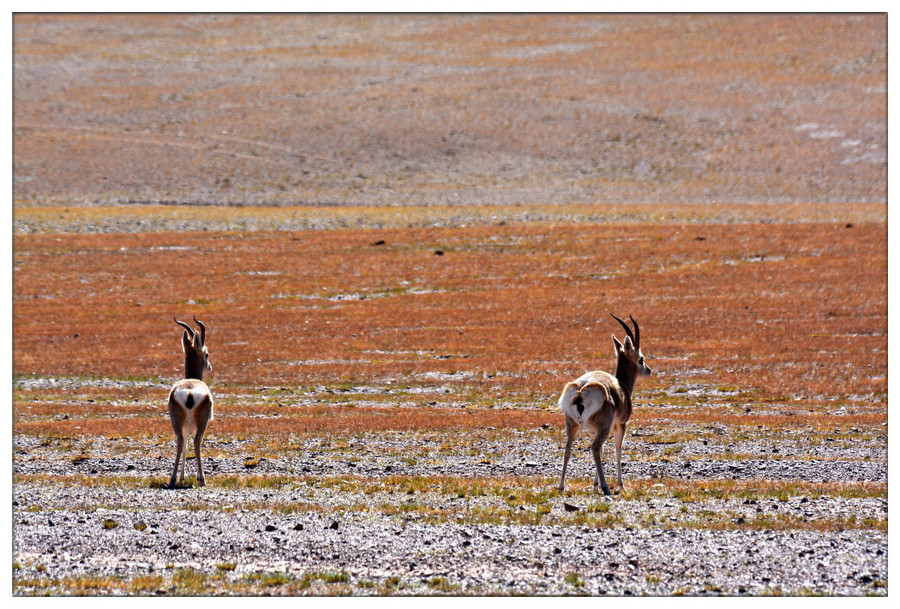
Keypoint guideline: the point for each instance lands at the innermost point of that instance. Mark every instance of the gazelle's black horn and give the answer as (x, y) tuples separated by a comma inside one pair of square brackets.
[(637, 333), (203, 330), (627, 329), (185, 326)]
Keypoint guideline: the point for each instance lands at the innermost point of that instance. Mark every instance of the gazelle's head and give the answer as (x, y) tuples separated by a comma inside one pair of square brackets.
[(630, 349), (196, 355)]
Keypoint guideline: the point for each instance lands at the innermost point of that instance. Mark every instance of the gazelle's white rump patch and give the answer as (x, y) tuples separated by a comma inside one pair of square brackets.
[(197, 392)]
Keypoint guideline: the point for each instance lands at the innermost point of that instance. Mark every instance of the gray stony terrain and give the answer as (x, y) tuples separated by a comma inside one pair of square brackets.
[(480, 559), (377, 546)]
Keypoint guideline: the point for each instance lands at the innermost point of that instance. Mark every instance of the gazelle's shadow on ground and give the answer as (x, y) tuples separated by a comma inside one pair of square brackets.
[(163, 485)]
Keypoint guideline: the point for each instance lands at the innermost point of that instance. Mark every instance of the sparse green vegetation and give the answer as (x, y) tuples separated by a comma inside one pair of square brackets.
[(575, 579), (270, 579), (189, 582), (442, 584)]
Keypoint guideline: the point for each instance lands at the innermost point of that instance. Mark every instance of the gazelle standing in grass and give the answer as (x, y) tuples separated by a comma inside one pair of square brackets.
[(598, 401), (190, 401)]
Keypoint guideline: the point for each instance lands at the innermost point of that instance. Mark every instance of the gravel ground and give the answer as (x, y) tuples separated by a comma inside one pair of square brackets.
[(379, 546), (532, 456), (66, 539), (342, 512)]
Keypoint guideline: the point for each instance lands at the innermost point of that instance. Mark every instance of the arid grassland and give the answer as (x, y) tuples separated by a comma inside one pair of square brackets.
[(405, 234), (362, 379)]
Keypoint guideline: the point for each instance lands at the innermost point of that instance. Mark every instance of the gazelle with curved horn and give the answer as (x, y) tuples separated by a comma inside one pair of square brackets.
[(599, 402), (190, 401)]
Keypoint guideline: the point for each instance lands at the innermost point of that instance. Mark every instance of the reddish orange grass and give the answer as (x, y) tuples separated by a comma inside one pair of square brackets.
[(785, 310), (313, 419), (317, 419), (814, 420)]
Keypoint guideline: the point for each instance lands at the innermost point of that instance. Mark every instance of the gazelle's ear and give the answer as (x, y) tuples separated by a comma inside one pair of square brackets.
[(185, 341), (617, 343), (197, 343), (629, 346)]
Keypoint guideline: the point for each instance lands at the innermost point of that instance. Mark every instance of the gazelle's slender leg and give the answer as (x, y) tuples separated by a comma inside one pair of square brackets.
[(198, 440), (597, 452), (571, 432), (203, 414), (619, 431), (179, 449), (183, 450), (603, 425)]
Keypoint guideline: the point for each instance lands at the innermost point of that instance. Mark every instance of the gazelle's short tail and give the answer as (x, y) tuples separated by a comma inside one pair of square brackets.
[(578, 402)]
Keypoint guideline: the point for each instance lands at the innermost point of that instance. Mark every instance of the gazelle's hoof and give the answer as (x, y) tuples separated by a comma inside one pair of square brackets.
[(201, 481), (172, 483)]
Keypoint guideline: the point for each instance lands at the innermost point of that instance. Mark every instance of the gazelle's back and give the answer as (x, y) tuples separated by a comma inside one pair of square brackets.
[(597, 376)]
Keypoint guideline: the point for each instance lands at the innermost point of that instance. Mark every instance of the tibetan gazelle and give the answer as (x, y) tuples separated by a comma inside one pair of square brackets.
[(190, 402), (599, 402)]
